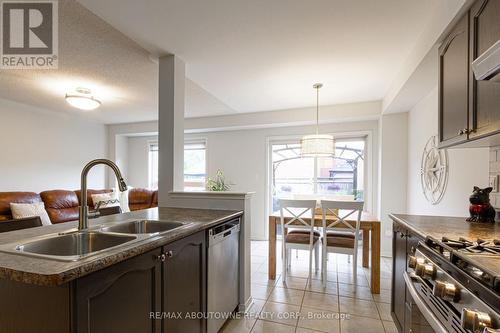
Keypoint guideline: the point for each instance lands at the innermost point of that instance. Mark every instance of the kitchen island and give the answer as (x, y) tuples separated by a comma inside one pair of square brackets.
[(133, 287)]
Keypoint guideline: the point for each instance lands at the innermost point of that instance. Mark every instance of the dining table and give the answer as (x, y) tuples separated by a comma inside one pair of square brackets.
[(369, 225)]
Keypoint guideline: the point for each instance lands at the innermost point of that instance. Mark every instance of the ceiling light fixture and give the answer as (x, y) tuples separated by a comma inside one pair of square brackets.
[(83, 99), (317, 145)]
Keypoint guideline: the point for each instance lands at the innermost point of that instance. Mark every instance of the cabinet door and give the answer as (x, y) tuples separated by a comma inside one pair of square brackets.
[(121, 298), (484, 95), (398, 283), (453, 85), (184, 283)]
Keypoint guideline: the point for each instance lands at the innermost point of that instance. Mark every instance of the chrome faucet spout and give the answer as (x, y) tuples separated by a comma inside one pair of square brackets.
[(83, 220)]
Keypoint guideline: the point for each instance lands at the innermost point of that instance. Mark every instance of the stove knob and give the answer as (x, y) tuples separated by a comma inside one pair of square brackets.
[(419, 269), (413, 261), (447, 291), (475, 321), (429, 271)]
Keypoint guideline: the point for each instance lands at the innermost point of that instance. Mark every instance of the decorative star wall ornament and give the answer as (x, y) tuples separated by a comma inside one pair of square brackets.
[(434, 171)]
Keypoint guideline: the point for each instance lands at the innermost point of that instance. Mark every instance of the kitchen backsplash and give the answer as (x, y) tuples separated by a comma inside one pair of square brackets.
[(495, 171)]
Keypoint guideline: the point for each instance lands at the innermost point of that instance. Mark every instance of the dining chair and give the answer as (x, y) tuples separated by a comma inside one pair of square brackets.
[(341, 241), (299, 233)]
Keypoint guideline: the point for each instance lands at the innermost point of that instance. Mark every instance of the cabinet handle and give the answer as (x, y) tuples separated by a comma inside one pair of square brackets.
[(162, 257), (464, 131), (170, 254)]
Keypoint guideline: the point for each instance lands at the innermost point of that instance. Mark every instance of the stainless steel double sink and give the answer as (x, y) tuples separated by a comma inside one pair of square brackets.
[(76, 245)]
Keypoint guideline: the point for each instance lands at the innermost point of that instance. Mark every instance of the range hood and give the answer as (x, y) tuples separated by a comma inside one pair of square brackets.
[(487, 65)]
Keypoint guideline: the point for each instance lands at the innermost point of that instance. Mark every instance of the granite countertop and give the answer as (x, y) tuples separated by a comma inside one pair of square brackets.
[(42, 271), (436, 227)]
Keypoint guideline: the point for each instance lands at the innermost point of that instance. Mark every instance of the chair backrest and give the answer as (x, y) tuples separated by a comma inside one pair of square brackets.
[(18, 224), (334, 207), (297, 210)]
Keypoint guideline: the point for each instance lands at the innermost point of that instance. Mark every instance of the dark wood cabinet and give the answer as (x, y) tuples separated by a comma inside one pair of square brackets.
[(469, 109), (453, 85), (484, 95), (141, 294), (404, 244), (184, 283), (146, 293), (398, 284), (120, 298)]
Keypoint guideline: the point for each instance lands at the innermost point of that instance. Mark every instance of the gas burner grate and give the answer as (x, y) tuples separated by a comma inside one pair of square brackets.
[(478, 246)]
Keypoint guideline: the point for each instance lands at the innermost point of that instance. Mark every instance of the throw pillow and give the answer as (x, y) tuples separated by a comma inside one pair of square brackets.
[(104, 200), (24, 210)]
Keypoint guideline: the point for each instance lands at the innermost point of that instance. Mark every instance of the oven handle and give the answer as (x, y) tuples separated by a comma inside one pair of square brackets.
[(424, 310)]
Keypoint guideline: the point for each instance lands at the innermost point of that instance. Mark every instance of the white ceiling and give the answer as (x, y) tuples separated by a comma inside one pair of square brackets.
[(264, 55), (241, 55), (92, 54)]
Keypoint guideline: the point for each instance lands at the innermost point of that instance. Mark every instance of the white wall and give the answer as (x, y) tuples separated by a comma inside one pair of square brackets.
[(242, 155), (468, 167), (138, 160), (393, 173), (43, 150)]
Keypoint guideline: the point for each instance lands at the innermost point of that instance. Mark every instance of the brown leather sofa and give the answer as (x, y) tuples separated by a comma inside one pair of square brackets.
[(140, 198), (18, 197), (62, 205)]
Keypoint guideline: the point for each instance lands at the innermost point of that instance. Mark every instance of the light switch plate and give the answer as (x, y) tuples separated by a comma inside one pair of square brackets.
[(494, 183)]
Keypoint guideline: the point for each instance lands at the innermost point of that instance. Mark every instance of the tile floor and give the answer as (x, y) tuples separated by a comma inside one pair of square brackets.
[(343, 306)]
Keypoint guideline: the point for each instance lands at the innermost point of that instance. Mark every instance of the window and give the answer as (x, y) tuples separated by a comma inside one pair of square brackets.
[(195, 165), (341, 176), (153, 165)]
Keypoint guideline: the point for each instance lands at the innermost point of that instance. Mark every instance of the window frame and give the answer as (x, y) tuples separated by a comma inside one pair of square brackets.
[(368, 181), (196, 140), (151, 143)]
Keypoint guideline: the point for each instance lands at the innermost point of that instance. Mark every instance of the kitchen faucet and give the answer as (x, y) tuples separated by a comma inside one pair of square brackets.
[(83, 221)]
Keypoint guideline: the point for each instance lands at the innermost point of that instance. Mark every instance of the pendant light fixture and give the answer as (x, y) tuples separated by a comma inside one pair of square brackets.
[(317, 145)]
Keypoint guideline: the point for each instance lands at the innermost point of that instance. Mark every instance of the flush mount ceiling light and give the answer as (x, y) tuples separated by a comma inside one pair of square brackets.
[(83, 99), (317, 145)]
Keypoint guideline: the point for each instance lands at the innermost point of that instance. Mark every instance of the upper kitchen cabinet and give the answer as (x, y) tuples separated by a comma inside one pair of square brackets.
[(469, 109), (453, 85), (484, 95)]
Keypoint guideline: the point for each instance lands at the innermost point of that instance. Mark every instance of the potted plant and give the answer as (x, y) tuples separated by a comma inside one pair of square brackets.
[(218, 184)]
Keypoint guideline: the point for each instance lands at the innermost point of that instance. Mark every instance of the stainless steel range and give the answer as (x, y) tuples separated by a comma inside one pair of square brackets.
[(455, 285)]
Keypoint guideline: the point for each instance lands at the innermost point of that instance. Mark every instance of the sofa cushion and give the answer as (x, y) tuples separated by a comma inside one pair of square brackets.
[(140, 198), (25, 210), (6, 198), (61, 205), (90, 203)]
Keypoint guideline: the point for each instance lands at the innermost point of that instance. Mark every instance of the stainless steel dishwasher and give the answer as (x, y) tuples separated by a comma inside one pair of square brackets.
[(223, 273)]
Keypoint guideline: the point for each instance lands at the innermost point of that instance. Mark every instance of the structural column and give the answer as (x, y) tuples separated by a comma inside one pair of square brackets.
[(171, 91)]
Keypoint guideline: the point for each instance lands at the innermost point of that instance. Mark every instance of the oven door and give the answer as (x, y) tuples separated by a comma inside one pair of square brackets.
[(419, 317)]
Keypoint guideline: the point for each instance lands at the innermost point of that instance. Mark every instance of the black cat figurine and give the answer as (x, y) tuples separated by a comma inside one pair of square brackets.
[(480, 208)]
